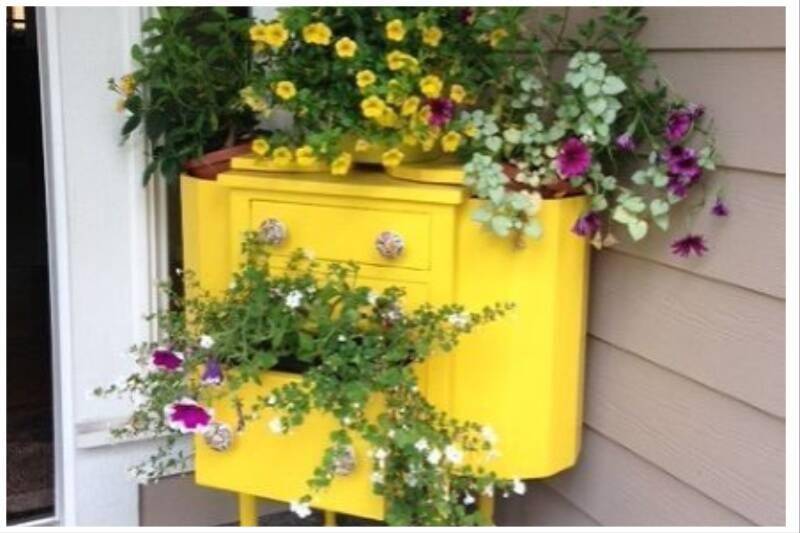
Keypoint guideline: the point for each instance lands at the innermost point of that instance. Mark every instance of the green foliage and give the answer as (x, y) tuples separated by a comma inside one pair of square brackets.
[(359, 348), (191, 65)]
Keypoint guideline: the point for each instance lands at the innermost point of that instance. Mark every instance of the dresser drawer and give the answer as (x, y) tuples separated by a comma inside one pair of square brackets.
[(347, 233)]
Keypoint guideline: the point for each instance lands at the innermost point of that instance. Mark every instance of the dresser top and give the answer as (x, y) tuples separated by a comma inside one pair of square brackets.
[(359, 183)]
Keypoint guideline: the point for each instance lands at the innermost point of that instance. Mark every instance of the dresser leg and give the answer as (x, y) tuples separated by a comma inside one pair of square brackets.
[(248, 510), (486, 507), (330, 519)]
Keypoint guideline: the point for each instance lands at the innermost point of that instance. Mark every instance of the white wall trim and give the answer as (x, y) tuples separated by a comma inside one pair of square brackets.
[(57, 208)]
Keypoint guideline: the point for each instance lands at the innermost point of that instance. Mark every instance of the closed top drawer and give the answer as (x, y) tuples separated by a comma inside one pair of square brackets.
[(345, 233)]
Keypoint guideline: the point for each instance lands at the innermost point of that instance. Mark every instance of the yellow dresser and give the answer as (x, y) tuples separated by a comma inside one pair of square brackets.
[(523, 375)]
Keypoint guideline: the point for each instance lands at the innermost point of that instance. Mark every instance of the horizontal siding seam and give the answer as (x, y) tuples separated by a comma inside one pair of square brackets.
[(694, 273), (766, 173), (661, 469), (718, 49), (646, 359)]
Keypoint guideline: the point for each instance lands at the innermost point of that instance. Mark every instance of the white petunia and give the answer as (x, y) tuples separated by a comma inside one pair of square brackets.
[(301, 509), (489, 435), (380, 454), (459, 320), (276, 425), (469, 499), (518, 486), (421, 445), (434, 456), (453, 454), (294, 299), (206, 342)]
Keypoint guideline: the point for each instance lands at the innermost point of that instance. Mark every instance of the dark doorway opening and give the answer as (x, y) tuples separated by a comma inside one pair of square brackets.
[(30, 459)]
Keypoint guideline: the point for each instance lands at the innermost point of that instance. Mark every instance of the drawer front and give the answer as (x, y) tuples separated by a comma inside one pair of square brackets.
[(344, 233)]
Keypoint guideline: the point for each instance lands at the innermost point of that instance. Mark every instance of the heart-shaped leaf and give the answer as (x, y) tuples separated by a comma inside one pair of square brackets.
[(658, 207), (597, 105), (591, 88), (613, 85), (637, 229)]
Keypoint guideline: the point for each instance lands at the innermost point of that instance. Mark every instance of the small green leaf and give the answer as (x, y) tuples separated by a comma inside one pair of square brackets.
[(613, 85), (637, 229), (533, 229), (597, 105), (662, 222), (622, 216), (501, 225), (591, 88), (658, 207)]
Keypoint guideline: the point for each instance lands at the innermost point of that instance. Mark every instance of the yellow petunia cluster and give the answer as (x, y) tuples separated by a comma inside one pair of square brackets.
[(372, 107), (346, 47), (285, 90), (260, 147), (395, 30), (432, 36), (317, 33), (431, 86), (273, 34), (253, 100), (341, 165), (397, 60), (365, 78)]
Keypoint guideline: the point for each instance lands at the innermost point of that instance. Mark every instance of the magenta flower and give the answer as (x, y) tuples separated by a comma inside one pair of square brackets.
[(691, 244), (212, 374), (683, 169), (573, 158), (679, 123), (187, 416), (719, 209), (696, 110), (625, 142), (441, 111), (587, 225), (167, 360)]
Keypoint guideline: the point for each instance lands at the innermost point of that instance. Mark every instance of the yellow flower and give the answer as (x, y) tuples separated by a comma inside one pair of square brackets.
[(410, 106), (395, 92), (497, 36), (431, 86), (387, 119), (395, 31), (430, 141), (317, 33), (470, 130), (282, 156), (457, 93), (362, 145), (450, 141), (410, 139), (260, 147), (305, 156), (341, 165), (276, 35), (252, 100), (372, 107), (424, 114), (431, 36), (392, 158), (258, 33), (127, 84), (398, 60), (365, 78), (346, 47), (285, 89)]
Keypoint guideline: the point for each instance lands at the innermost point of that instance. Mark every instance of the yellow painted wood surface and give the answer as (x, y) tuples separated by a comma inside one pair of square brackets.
[(523, 376)]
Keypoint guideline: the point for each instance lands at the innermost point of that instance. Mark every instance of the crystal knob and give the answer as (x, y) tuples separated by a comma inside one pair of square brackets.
[(273, 231), (390, 244)]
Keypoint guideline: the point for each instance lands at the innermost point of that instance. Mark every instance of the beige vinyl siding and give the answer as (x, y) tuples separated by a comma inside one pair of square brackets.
[(685, 397)]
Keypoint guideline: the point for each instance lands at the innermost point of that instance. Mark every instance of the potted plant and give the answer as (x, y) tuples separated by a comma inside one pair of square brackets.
[(377, 85), (184, 95), (358, 347), (602, 129)]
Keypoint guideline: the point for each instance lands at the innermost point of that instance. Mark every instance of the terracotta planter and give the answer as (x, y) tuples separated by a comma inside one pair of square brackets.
[(212, 163)]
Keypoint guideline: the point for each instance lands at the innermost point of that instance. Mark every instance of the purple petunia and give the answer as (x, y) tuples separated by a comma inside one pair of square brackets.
[(679, 122), (719, 209), (683, 169), (625, 142), (167, 360), (696, 110), (212, 374), (573, 158), (187, 416), (441, 111), (587, 225), (691, 244)]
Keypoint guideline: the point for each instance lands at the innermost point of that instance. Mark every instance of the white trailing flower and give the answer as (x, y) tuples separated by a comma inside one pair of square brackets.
[(488, 434), (301, 509), (391, 434), (410, 479), (294, 299), (206, 342), (459, 320), (488, 490), (518, 486), (421, 445), (276, 425), (272, 400), (372, 298), (376, 478), (453, 454), (469, 499), (380, 454), (434, 456), (341, 338)]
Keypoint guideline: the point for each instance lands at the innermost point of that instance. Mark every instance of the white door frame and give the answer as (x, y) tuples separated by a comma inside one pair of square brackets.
[(148, 247)]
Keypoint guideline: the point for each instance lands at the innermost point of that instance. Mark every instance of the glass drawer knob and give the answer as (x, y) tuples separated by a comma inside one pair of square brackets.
[(273, 231), (390, 244)]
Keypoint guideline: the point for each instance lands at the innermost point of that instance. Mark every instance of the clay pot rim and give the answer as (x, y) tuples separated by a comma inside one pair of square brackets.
[(218, 156)]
